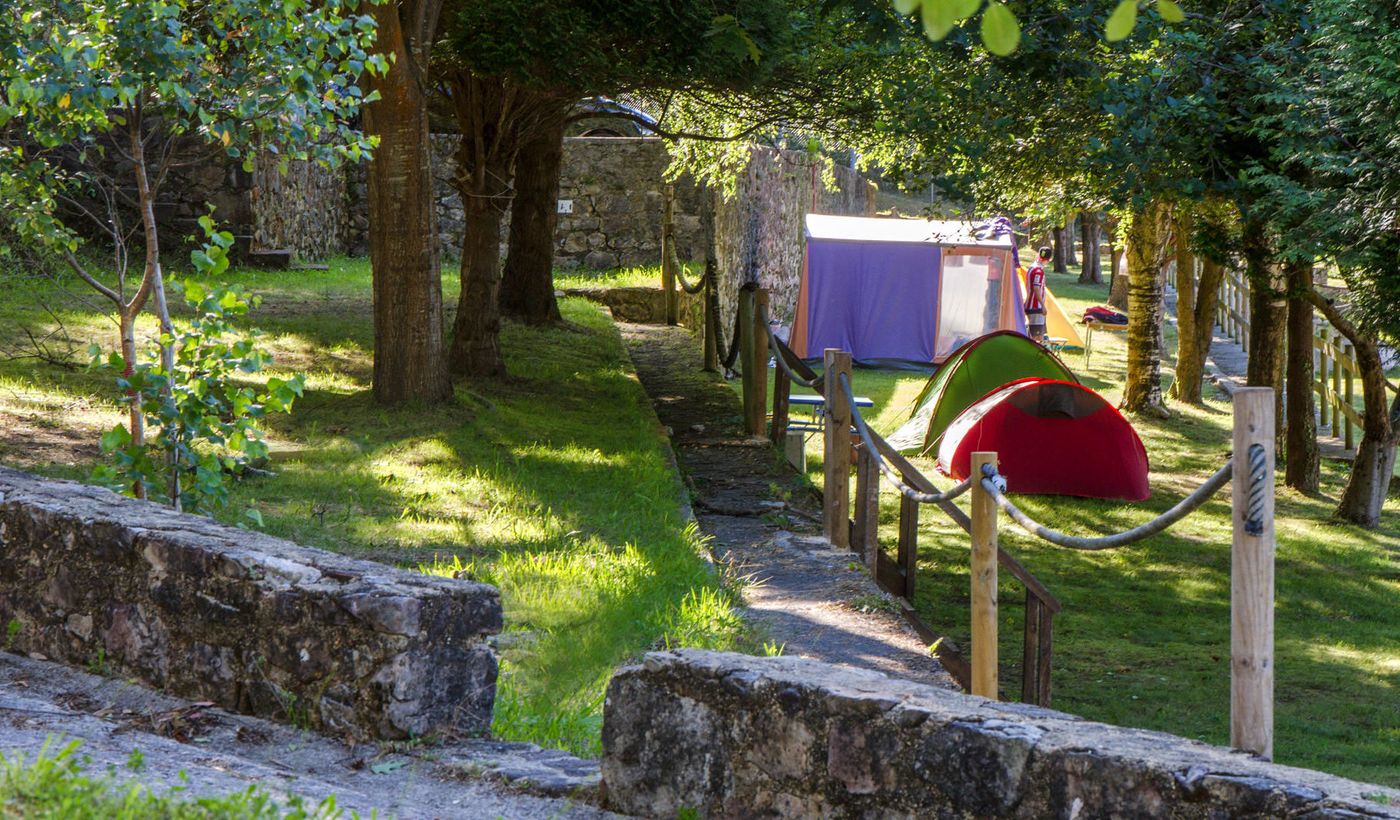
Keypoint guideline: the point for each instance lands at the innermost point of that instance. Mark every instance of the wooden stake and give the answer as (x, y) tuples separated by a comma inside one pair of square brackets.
[(867, 530), (984, 582), (668, 252), (757, 408), (837, 480), (710, 320), (1252, 577)]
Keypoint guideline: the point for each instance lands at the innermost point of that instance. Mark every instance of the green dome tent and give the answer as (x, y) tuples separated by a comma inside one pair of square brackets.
[(977, 369)]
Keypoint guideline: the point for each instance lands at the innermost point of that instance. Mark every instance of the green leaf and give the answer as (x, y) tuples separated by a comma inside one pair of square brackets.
[(963, 9), (938, 18), (906, 7), (1000, 31), (115, 439), (1121, 21), (1170, 11)]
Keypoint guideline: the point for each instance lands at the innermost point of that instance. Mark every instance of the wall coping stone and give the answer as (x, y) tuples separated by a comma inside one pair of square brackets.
[(734, 735), (253, 623)]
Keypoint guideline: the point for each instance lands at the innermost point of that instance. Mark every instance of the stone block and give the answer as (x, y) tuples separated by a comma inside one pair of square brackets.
[(253, 623), (730, 735)]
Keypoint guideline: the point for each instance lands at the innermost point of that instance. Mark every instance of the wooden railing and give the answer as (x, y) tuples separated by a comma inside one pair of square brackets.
[(1335, 367), (855, 522), (1336, 373)]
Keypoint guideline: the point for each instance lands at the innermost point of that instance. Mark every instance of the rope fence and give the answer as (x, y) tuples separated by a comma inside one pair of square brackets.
[(886, 470), (995, 485), (873, 458)]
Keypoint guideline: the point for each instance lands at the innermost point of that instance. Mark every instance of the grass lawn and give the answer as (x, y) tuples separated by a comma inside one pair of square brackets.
[(1144, 638), (552, 484)]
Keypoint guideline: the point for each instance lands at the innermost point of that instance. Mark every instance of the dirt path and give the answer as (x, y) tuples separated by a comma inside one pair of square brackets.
[(767, 522)]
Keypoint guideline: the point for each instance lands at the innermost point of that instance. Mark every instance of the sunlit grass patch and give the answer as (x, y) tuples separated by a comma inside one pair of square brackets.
[(552, 484), (1144, 638)]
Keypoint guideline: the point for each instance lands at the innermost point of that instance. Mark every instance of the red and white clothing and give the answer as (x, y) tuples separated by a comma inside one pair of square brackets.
[(1035, 289)]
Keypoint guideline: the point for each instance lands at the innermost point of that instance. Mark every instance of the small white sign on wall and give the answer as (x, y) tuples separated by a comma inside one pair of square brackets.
[(566, 206)]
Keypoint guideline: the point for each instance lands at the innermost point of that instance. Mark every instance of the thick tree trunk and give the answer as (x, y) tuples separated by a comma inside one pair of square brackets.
[(1068, 239), (1189, 363), (1371, 472), (476, 332), (409, 362), (527, 284), (1267, 312), (1146, 251), (1300, 437), (1060, 244), (1090, 269), (1190, 371)]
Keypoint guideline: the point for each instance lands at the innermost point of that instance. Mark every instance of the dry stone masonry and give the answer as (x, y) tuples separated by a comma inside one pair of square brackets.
[(737, 736), (253, 623)]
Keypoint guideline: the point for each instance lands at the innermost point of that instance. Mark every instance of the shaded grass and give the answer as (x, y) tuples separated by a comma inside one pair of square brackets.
[(552, 484), (1144, 638)]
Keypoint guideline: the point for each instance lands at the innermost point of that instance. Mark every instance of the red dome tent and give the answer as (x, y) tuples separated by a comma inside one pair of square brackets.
[(1051, 437)]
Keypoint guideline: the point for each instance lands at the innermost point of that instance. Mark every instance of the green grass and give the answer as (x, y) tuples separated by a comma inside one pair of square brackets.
[(56, 784), (644, 276), (552, 484), (1144, 638)]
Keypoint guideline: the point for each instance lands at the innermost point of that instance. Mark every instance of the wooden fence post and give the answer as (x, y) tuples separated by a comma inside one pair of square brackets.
[(711, 320), (1338, 363), (748, 373), (909, 543), (1252, 574), (668, 254), (1349, 354), (756, 407), (866, 534), (836, 482), (782, 395), (984, 582)]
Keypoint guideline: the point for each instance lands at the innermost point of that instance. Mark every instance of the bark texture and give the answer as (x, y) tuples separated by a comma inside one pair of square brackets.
[(1189, 365), (1146, 251), (1380, 429), (496, 117), (1267, 310), (1301, 462), (409, 357), (1061, 243), (527, 284), (1090, 268)]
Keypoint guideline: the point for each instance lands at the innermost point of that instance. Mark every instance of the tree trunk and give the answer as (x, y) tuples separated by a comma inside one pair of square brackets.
[(1146, 251), (1190, 371), (476, 333), (1380, 427), (1267, 311), (409, 363), (1060, 245), (1189, 363), (1300, 437), (527, 284), (1068, 231), (1090, 269)]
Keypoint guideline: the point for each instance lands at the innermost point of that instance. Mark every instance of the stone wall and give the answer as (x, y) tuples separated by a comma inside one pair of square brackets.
[(253, 623), (738, 736), (305, 210), (759, 232)]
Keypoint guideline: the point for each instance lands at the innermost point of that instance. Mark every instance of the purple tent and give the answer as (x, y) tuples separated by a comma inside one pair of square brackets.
[(905, 289)]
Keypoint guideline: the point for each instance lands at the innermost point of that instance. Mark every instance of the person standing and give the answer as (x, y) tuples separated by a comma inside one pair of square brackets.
[(1035, 296)]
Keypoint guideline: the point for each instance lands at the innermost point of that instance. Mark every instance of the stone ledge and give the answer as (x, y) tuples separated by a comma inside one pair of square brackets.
[(733, 735), (253, 623)]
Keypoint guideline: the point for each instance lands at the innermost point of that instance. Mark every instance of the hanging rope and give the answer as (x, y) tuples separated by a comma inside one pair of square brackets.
[(728, 355), (679, 269), (1258, 471), (891, 474), (780, 352), (995, 484)]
